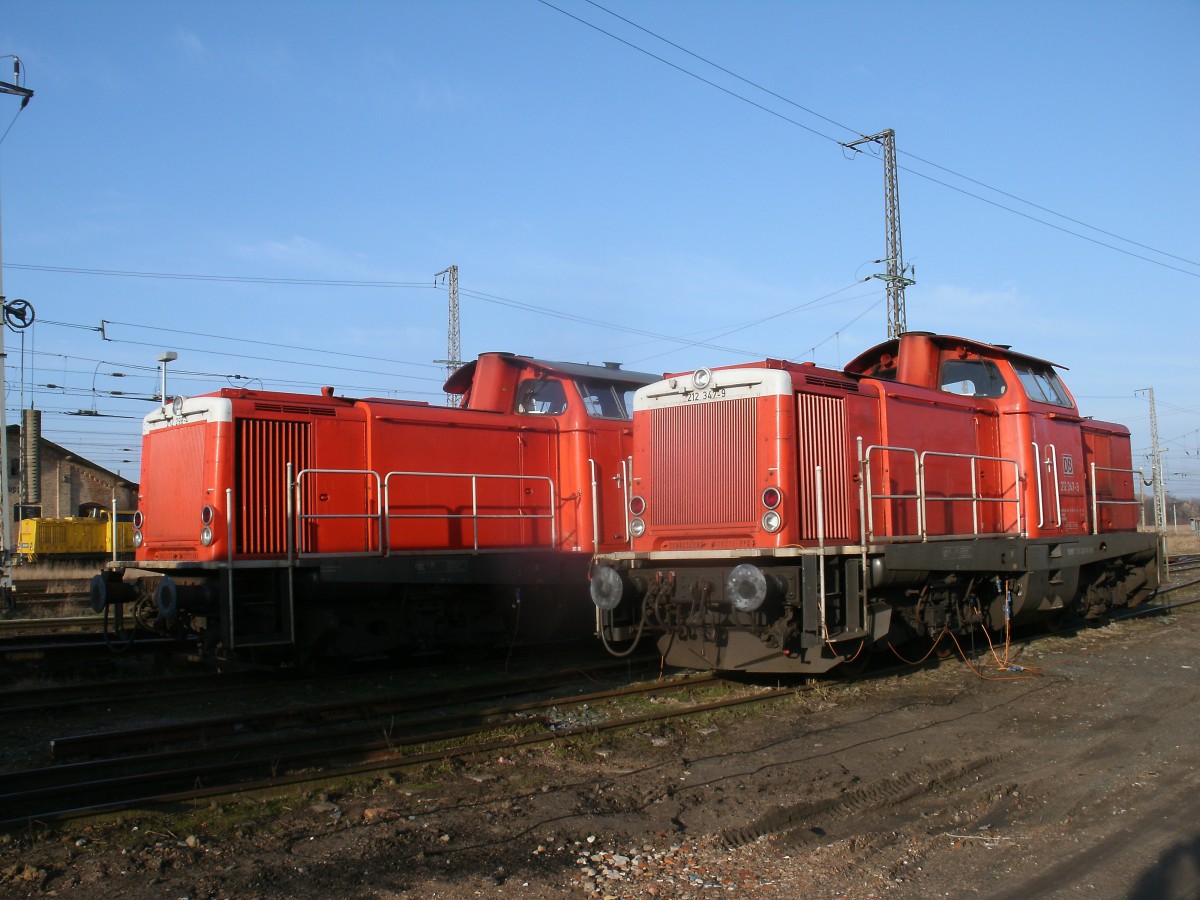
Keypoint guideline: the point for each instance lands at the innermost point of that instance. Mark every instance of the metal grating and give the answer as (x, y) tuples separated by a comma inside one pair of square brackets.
[(821, 441), (264, 448), (837, 384), (704, 464), (298, 409), (173, 482)]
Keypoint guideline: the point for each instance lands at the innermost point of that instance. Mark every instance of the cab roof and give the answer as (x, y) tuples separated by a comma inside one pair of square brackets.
[(865, 362), (460, 381)]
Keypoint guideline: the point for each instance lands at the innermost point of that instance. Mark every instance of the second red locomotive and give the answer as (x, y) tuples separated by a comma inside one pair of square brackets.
[(788, 518), (272, 521)]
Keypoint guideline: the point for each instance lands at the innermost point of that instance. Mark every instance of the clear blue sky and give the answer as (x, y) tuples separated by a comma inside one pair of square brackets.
[(573, 175)]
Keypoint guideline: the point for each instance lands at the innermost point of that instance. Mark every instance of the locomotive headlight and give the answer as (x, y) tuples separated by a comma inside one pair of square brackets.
[(177, 406), (772, 497), (138, 519), (606, 588), (637, 527), (206, 536), (746, 587), (207, 514), (637, 505), (701, 379), (772, 521), (137, 539)]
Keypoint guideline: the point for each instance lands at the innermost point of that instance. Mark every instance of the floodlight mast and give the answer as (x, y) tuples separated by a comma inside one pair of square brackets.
[(163, 358)]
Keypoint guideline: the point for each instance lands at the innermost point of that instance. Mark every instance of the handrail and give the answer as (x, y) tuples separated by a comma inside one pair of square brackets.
[(626, 494), (1053, 460), (229, 564), (375, 516), (595, 507), (921, 498), (871, 496), (820, 483), (975, 497), (1097, 502), (1037, 466), (475, 516), (290, 540)]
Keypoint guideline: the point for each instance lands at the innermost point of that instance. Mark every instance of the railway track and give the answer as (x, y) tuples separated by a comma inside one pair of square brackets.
[(89, 624), (236, 753), (115, 769)]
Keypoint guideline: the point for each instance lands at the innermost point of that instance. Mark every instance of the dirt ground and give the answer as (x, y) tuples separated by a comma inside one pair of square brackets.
[(1074, 774)]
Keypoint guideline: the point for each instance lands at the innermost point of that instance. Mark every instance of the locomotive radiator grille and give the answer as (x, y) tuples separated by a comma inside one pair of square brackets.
[(264, 448), (716, 446), (177, 470), (821, 441)]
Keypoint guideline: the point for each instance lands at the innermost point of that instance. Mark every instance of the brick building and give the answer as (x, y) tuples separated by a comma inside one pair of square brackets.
[(69, 483)]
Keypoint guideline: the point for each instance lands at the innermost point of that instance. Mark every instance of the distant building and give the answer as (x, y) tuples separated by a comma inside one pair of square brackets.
[(68, 484)]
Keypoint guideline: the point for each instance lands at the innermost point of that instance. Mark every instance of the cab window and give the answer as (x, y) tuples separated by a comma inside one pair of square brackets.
[(1042, 384), (541, 397), (604, 400), (972, 378)]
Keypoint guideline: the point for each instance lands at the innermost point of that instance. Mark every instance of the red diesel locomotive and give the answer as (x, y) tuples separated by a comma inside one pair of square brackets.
[(788, 518), (274, 521)]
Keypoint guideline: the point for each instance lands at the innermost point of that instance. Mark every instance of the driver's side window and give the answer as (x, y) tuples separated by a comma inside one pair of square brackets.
[(541, 397)]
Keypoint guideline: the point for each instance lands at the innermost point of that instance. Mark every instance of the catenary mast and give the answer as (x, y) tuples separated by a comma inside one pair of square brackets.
[(895, 279)]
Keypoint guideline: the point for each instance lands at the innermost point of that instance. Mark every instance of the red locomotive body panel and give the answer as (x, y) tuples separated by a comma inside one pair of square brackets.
[(1111, 481), (935, 481), (249, 494)]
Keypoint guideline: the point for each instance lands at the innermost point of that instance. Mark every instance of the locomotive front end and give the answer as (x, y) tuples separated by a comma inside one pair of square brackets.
[(179, 522), (182, 504), (726, 491)]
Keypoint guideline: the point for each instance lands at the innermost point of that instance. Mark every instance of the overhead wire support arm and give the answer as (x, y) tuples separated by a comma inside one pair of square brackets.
[(896, 279), (14, 87), (25, 94)]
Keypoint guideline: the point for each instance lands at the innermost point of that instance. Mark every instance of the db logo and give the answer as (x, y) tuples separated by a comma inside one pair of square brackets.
[(1068, 465)]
